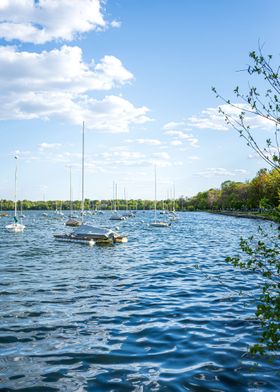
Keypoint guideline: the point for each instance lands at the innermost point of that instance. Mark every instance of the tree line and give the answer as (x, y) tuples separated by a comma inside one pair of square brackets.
[(261, 193)]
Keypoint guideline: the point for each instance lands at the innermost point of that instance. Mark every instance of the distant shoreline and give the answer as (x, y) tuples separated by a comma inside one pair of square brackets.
[(248, 215)]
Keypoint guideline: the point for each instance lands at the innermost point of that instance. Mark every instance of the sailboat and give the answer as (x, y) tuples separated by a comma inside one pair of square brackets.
[(157, 223), (172, 213), (15, 227), (72, 221), (126, 214), (116, 215), (88, 234)]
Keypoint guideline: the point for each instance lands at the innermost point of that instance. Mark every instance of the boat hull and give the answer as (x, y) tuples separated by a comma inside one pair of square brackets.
[(160, 224), (69, 238), (83, 239), (15, 228)]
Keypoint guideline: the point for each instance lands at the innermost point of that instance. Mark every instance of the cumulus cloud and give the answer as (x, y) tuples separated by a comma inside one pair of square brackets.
[(220, 172), (46, 20), (58, 70), (57, 84), (211, 118)]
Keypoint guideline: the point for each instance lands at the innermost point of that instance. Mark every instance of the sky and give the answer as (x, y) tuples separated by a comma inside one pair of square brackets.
[(139, 74)]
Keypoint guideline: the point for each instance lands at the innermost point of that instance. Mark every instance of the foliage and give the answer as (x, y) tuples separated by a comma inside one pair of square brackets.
[(261, 194), (263, 258), (94, 204), (258, 102)]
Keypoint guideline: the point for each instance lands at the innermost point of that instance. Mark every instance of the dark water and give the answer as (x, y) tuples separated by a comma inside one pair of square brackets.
[(163, 312)]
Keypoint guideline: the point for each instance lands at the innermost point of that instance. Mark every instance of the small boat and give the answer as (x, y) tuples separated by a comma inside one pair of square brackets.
[(73, 222), (3, 214), (15, 227), (160, 224), (117, 217), (91, 233)]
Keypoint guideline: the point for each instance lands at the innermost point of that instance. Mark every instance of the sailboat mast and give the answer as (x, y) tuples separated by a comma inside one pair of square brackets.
[(155, 192), (83, 171), (71, 204), (16, 187), (113, 200), (174, 204), (126, 203)]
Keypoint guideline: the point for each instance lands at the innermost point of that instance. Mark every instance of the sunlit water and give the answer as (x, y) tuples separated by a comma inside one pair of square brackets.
[(163, 312)]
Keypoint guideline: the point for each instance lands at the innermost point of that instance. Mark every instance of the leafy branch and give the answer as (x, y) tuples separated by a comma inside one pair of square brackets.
[(264, 105), (264, 258)]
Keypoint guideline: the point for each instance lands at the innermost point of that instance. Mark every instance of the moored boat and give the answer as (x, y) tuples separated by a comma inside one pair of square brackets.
[(92, 233), (15, 227)]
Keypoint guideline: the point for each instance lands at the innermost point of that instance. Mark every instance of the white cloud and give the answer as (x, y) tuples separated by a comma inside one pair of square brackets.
[(268, 152), (173, 125), (124, 158), (193, 158), (220, 172), (57, 84), (161, 155), (46, 20), (58, 70), (116, 23), (176, 143), (149, 142), (110, 161), (48, 146), (24, 155), (210, 118), (123, 155), (190, 138)]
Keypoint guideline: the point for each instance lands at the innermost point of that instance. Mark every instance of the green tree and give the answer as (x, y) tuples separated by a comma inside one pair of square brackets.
[(261, 256)]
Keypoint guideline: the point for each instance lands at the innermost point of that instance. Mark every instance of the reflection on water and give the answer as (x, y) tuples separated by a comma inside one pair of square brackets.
[(163, 312)]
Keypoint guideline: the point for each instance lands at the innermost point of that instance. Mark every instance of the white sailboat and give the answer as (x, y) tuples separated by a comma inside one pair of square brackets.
[(172, 212), (15, 227), (116, 215), (157, 223), (86, 233)]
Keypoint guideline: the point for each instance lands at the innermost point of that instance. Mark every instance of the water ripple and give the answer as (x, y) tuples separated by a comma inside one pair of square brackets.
[(163, 312)]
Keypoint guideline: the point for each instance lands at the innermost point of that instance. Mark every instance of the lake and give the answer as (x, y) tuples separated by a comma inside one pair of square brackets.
[(163, 312)]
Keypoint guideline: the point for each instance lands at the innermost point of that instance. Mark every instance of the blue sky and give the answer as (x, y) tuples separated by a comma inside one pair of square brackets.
[(139, 73)]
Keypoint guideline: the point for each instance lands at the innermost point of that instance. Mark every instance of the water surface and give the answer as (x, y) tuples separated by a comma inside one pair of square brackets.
[(163, 312)]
